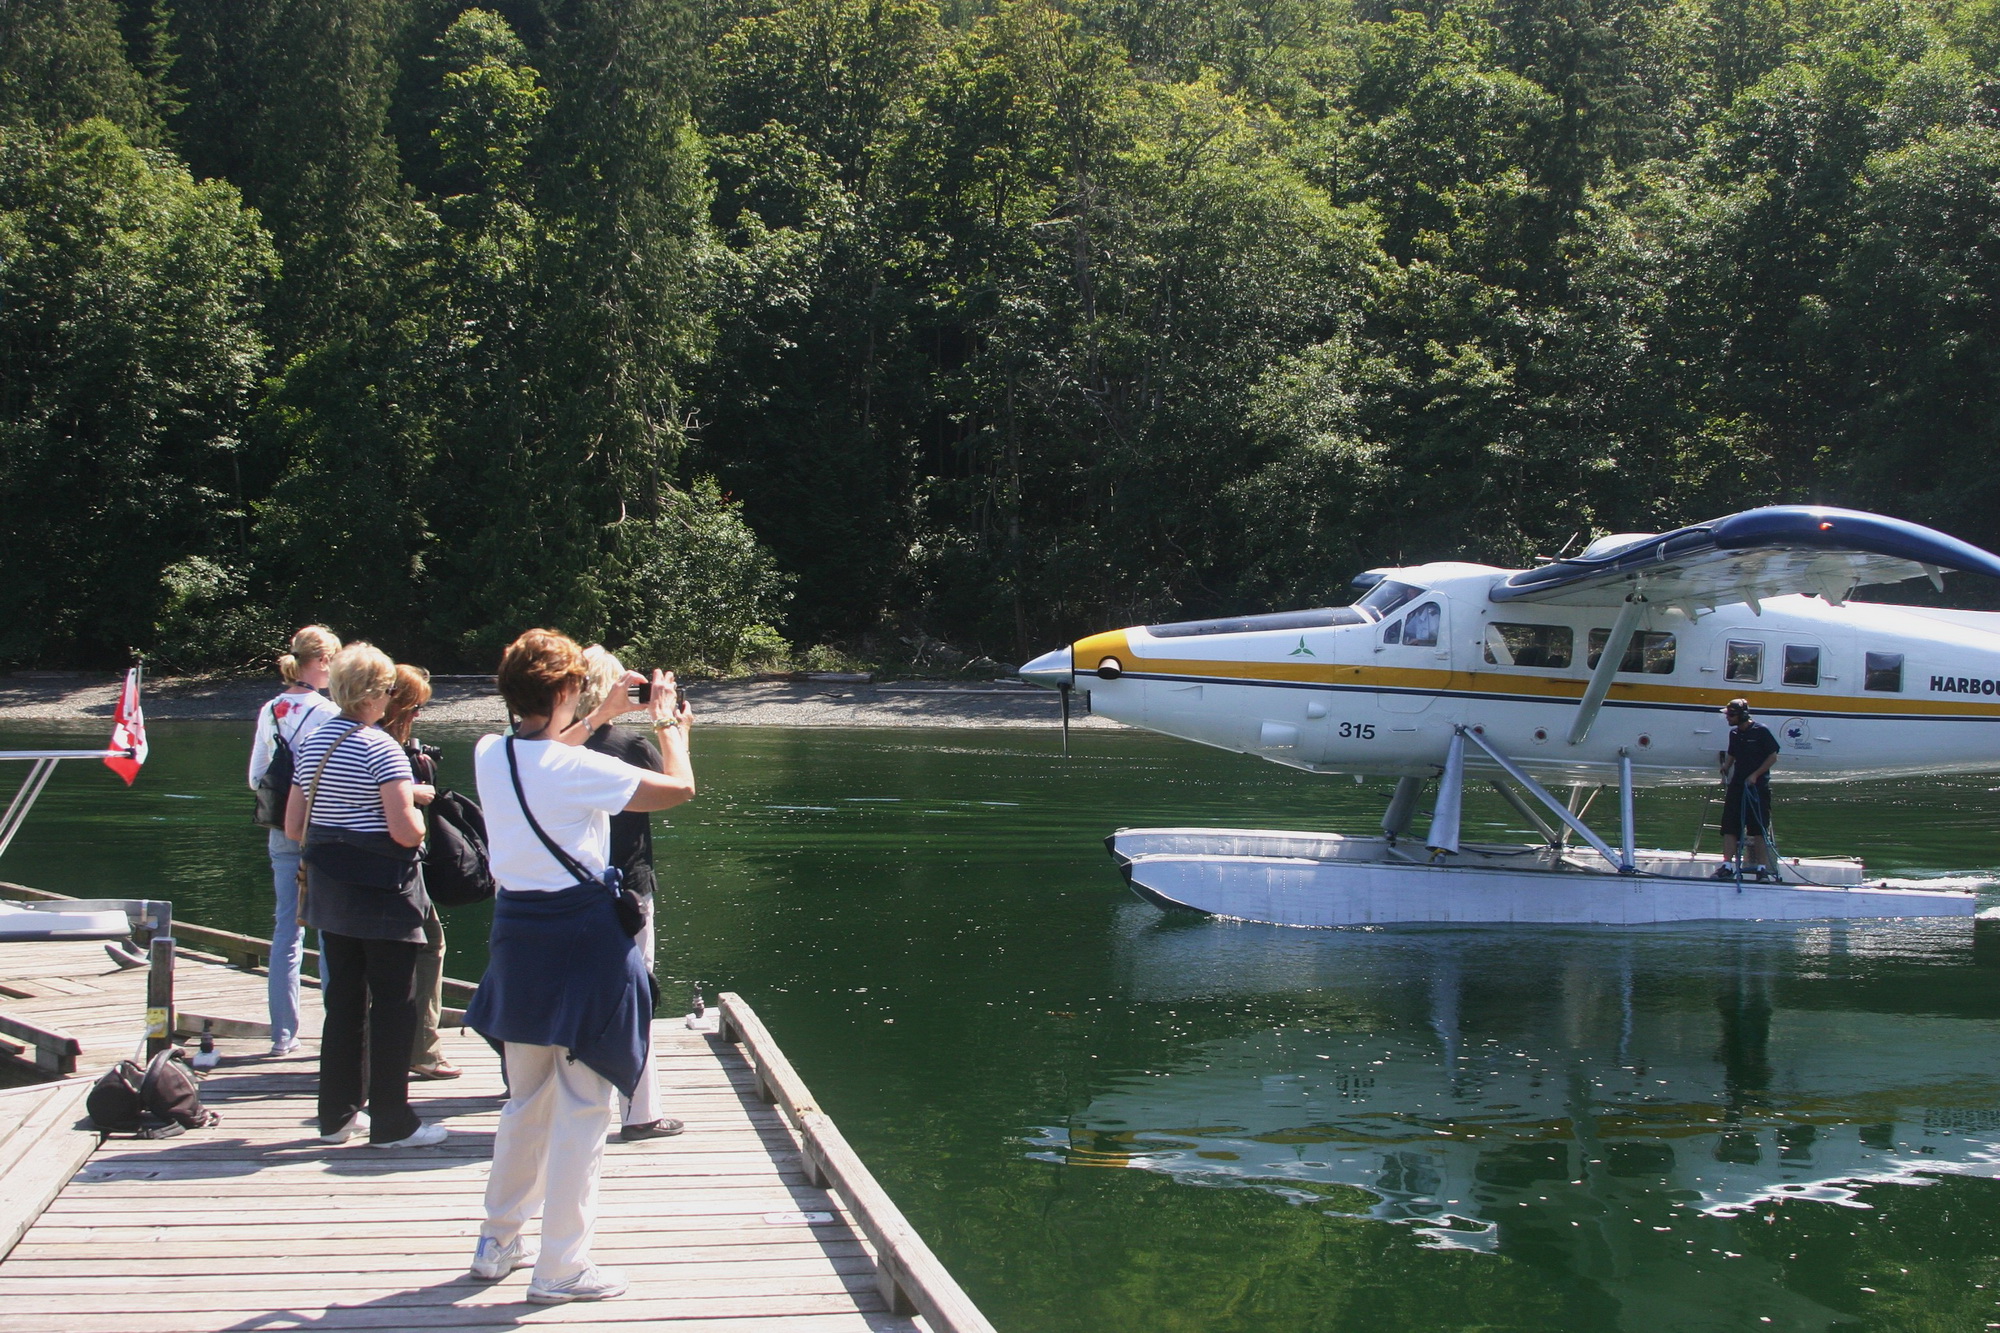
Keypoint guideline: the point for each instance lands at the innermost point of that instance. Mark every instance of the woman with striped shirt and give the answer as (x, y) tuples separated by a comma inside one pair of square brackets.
[(353, 808)]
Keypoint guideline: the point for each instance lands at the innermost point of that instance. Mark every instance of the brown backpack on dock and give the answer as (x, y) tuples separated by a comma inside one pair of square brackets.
[(157, 1102)]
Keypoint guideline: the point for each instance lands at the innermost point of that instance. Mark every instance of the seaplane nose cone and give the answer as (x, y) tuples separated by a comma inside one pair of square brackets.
[(1051, 670)]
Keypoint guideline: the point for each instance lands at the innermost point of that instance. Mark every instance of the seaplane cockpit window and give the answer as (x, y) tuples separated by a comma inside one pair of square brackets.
[(1420, 627), (1393, 634), (1648, 653), (1385, 597), (1884, 672), (1744, 662), (1802, 664), (1529, 645)]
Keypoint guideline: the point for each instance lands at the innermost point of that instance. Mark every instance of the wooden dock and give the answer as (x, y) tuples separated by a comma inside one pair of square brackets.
[(255, 1224)]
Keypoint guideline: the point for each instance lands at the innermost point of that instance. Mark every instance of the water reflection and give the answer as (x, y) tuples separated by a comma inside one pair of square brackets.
[(1592, 1094)]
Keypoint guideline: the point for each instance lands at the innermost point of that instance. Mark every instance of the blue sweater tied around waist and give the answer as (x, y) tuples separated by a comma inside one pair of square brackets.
[(562, 973)]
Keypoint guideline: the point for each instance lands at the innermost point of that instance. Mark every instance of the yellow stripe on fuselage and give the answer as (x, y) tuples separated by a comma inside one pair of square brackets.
[(1089, 652)]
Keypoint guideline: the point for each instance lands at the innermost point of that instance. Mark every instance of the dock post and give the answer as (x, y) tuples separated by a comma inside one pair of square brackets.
[(160, 995)]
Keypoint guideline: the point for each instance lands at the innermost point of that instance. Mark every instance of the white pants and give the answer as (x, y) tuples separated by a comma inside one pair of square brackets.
[(643, 1106), (547, 1154)]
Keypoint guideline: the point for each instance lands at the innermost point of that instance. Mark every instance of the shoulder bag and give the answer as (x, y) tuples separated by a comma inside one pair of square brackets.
[(631, 912)]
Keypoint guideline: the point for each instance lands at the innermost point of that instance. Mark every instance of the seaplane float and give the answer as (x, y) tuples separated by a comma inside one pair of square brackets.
[(1606, 669)]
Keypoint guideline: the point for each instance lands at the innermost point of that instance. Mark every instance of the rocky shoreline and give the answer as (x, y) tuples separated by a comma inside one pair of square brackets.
[(32, 698)]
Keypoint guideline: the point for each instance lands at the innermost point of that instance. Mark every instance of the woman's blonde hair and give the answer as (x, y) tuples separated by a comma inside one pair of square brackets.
[(602, 674), (310, 644), (360, 671), (411, 691)]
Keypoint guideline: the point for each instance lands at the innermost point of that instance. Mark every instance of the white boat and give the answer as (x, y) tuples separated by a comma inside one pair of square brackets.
[(1293, 878)]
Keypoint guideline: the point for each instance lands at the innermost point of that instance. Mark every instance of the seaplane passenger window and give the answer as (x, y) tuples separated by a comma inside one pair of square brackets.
[(1529, 645), (1802, 664), (1885, 672), (1649, 653), (1420, 627), (1744, 662)]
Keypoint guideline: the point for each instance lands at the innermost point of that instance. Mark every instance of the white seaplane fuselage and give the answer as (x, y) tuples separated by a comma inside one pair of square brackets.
[(1453, 670), (1340, 699)]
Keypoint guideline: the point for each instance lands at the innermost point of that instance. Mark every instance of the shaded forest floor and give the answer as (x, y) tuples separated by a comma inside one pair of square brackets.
[(32, 698)]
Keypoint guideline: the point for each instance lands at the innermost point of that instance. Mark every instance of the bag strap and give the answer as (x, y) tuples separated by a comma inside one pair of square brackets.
[(312, 792), (567, 861)]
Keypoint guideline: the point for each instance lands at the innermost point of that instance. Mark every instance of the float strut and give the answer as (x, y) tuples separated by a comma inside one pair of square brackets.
[(1627, 828), (1451, 796), (1402, 805)]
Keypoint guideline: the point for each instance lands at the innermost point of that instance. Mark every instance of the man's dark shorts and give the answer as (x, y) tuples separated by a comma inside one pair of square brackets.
[(1739, 814)]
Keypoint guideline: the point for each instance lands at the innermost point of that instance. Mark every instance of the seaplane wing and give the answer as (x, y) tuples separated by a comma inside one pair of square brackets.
[(1748, 557)]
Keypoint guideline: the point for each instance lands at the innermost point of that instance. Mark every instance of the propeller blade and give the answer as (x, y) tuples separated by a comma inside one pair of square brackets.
[(1063, 692)]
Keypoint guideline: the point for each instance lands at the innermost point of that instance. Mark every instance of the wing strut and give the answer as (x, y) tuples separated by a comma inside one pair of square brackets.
[(1608, 663)]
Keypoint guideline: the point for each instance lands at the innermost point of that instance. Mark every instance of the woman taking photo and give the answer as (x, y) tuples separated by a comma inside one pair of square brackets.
[(565, 989), (287, 720), (353, 809), (407, 698), (632, 854)]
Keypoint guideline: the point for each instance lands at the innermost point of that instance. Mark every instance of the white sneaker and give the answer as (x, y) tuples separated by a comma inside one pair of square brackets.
[(427, 1136), (492, 1260), (280, 1049), (592, 1284), (357, 1125)]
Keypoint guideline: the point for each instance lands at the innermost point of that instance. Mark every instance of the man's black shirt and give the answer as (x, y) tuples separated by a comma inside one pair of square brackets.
[(1749, 747), (631, 830)]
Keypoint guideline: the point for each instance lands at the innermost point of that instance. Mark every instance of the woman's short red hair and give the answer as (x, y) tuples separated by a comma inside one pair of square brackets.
[(536, 668)]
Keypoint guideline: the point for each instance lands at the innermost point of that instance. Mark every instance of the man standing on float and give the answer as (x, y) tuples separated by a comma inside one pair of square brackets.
[(1746, 804)]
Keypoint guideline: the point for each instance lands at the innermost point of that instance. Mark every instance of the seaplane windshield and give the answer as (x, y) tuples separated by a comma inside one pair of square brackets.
[(1382, 599), (1385, 597)]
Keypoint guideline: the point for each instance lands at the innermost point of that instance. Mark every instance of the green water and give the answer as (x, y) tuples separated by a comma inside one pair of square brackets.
[(1106, 1119)]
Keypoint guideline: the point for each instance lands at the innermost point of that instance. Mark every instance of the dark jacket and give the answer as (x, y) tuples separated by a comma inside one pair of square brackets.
[(631, 830), (560, 972), (363, 885)]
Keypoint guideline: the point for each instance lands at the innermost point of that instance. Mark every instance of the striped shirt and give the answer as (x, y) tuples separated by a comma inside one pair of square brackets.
[(350, 793)]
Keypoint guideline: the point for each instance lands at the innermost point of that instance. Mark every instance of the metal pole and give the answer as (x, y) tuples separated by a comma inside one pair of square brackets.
[(1628, 829), (1526, 811), (1607, 666), (1536, 790), (24, 799)]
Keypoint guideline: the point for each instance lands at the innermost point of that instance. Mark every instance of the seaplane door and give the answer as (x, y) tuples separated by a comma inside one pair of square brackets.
[(1413, 655)]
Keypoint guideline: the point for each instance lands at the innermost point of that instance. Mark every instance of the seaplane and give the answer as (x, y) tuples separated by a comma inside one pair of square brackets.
[(1607, 669)]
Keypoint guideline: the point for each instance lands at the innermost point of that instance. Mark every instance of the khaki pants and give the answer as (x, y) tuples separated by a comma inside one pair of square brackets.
[(546, 1156), (428, 1048)]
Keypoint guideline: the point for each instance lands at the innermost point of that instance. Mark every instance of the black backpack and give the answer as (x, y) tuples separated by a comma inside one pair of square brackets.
[(274, 789), (156, 1102), (456, 870)]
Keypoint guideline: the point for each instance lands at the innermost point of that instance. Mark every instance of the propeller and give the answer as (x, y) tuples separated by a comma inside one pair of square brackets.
[(1062, 692)]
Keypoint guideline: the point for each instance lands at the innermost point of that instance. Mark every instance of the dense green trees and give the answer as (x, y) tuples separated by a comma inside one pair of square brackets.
[(994, 321)]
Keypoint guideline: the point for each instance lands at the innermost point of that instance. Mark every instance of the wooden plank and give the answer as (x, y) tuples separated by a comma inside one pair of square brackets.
[(44, 1153), (912, 1278), (55, 1050)]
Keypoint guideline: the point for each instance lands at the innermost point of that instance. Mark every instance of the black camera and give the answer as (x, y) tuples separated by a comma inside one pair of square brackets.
[(641, 694)]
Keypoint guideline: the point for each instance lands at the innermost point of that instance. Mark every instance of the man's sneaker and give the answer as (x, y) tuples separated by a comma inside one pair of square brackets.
[(492, 1260), (427, 1136), (592, 1284), (651, 1129), (282, 1048), (1726, 872), (356, 1124)]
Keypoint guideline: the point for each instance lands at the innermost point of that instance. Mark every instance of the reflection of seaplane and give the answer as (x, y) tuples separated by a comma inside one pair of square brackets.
[(1614, 1101), (1606, 668)]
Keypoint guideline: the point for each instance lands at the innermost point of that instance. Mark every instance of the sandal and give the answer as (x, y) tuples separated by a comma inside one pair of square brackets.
[(442, 1069)]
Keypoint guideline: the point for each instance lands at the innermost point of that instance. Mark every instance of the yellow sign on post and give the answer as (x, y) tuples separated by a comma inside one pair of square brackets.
[(156, 1025)]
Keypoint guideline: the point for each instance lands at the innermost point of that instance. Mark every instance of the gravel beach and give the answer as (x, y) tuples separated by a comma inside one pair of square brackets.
[(35, 698)]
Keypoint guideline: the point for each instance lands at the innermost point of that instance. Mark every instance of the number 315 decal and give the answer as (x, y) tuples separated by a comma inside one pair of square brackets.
[(1364, 731)]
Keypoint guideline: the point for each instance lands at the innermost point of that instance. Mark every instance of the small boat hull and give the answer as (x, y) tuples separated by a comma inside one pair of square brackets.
[(1320, 879)]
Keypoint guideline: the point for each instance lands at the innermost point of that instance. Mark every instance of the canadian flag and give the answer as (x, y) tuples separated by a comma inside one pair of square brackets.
[(128, 732)]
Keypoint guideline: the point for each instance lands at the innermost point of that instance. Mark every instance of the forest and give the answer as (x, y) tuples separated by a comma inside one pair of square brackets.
[(738, 332)]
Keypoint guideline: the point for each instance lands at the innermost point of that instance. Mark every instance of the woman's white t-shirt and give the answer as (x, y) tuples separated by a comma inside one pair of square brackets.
[(573, 792)]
